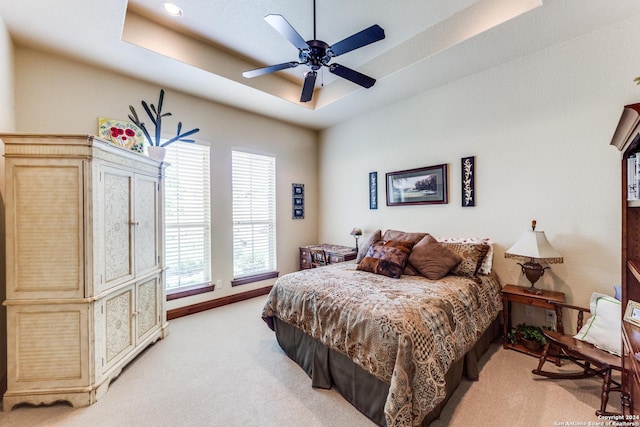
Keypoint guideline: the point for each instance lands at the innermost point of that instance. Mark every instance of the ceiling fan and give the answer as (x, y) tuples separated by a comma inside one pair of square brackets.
[(316, 54)]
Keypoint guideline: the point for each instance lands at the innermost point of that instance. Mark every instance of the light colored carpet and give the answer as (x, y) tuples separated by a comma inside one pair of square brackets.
[(224, 367)]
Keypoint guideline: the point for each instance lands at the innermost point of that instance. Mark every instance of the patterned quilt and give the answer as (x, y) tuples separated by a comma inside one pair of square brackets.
[(407, 332)]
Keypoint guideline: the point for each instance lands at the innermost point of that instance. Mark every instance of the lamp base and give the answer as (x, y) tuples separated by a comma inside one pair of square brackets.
[(533, 290), (533, 271)]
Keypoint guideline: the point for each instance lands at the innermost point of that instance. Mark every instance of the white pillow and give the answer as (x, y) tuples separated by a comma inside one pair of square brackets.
[(603, 328), (487, 262)]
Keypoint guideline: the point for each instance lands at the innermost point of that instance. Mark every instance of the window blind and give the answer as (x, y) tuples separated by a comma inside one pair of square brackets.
[(254, 214), (187, 215)]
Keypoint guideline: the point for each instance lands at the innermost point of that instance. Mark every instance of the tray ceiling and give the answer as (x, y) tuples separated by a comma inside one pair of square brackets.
[(428, 43)]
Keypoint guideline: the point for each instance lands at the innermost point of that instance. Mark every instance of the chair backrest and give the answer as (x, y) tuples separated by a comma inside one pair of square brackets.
[(601, 325), (318, 257), (559, 318)]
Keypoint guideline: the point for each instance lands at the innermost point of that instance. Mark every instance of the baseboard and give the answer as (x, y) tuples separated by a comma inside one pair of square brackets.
[(219, 302)]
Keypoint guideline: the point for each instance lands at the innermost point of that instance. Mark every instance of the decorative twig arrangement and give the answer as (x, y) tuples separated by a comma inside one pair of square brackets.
[(156, 116)]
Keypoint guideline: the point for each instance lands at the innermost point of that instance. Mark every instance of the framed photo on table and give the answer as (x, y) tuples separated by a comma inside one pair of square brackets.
[(420, 186), (632, 313)]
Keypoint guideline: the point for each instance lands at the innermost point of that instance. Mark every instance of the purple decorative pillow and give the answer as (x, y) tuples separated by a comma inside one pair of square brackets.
[(386, 257)]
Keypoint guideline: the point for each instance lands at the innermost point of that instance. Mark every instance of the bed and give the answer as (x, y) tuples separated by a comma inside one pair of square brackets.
[(394, 345)]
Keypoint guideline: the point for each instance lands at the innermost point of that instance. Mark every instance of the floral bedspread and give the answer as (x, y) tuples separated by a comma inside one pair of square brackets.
[(407, 332)]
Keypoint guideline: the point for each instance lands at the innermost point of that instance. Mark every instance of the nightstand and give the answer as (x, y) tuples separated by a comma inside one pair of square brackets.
[(335, 254), (546, 300)]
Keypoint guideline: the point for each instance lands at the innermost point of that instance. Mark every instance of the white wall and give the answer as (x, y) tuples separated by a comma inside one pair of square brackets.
[(56, 95), (540, 129), (7, 117)]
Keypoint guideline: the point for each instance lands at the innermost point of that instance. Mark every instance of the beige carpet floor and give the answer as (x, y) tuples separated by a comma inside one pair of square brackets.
[(224, 367)]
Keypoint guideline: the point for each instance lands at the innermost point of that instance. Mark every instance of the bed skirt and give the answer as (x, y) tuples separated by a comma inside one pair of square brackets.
[(328, 368)]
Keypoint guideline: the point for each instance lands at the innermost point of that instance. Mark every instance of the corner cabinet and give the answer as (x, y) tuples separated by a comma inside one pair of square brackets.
[(627, 140), (85, 277)]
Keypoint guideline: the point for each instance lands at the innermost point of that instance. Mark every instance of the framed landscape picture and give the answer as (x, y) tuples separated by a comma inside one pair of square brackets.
[(421, 186)]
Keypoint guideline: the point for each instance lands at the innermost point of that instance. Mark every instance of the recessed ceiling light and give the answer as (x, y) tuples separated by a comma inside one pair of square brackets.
[(172, 9)]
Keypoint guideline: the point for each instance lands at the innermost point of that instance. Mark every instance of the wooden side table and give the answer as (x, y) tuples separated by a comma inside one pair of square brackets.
[(546, 300)]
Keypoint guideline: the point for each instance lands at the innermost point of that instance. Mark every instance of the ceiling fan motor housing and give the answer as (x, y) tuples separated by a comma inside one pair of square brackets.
[(317, 55)]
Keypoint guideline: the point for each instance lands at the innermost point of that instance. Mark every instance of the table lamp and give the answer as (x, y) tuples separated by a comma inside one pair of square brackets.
[(533, 246), (356, 233)]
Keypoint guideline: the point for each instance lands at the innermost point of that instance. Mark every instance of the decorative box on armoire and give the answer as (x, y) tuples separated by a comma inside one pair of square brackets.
[(85, 265)]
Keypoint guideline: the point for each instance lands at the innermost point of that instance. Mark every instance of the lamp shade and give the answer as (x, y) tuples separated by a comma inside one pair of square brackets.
[(534, 245), (356, 232)]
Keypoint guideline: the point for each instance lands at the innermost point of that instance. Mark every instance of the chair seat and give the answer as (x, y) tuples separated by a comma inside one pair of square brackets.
[(586, 350), (592, 360)]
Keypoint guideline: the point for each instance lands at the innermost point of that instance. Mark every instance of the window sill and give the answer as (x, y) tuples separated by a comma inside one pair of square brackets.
[(254, 278), (189, 291)]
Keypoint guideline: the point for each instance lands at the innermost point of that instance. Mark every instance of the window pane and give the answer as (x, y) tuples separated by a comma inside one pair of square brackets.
[(254, 248), (187, 215), (186, 257)]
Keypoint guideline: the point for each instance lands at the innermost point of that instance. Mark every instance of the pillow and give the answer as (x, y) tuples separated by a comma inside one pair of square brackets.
[(403, 236), (386, 258), (432, 259), (365, 242), (603, 328), (410, 270), (487, 262), (472, 255), (406, 237)]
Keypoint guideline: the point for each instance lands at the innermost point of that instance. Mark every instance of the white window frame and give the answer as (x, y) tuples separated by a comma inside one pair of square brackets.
[(254, 214), (187, 217)]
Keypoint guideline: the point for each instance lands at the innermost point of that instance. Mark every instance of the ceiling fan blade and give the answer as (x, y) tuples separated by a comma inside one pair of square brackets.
[(352, 75), (309, 84), (282, 26), (270, 69), (367, 36)]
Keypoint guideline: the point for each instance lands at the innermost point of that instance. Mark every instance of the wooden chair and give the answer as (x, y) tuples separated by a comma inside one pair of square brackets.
[(591, 359), (318, 257)]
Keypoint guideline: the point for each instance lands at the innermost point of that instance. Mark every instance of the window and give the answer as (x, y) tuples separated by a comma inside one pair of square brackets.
[(187, 217), (254, 214)]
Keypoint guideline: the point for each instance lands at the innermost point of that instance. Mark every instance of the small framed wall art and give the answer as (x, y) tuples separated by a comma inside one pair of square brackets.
[(421, 186), (297, 200), (468, 181), (373, 190)]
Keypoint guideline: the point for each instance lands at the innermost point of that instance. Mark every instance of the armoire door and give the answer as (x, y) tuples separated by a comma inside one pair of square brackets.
[(146, 224), (118, 326), (148, 307), (117, 188)]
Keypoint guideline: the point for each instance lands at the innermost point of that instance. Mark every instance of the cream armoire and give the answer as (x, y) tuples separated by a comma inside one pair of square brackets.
[(85, 278)]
